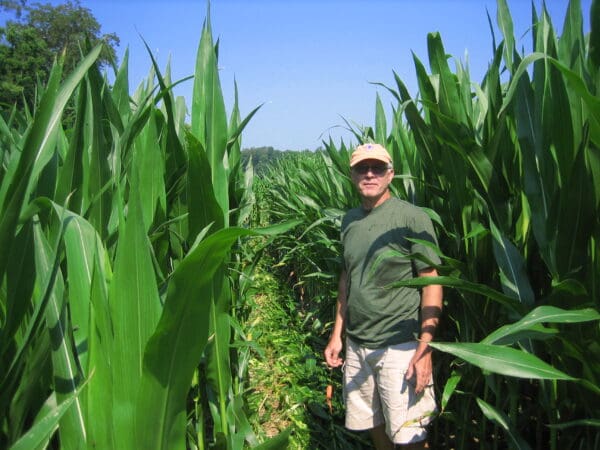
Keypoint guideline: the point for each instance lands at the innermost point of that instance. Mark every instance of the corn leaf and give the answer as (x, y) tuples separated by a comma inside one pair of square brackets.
[(465, 285), (504, 20), (542, 314), (96, 171), (380, 122), (202, 204), (148, 169), (99, 394), (574, 219), (174, 350), (36, 143), (503, 360), (448, 99), (39, 434), (70, 176), (67, 376), (512, 268), (498, 417), (134, 310), (209, 119), (218, 364), (450, 388)]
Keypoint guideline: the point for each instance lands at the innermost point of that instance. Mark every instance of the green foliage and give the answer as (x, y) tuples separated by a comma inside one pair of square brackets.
[(36, 37), (110, 285), (262, 158), (127, 306), (289, 377), (508, 170)]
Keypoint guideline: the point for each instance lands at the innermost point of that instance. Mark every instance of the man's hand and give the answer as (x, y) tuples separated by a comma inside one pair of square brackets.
[(420, 367), (332, 352)]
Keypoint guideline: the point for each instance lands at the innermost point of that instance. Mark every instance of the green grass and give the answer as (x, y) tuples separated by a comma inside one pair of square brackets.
[(288, 376)]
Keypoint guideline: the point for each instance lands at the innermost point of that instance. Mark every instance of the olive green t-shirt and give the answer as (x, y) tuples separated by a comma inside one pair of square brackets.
[(375, 255)]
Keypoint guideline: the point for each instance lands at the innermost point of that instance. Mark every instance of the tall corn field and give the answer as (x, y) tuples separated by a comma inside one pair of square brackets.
[(123, 256), (509, 170), (117, 273)]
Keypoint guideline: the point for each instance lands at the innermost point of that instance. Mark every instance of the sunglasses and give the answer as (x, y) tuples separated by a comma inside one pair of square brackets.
[(376, 169)]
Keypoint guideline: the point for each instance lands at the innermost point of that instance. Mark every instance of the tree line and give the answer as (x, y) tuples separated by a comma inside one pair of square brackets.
[(35, 35)]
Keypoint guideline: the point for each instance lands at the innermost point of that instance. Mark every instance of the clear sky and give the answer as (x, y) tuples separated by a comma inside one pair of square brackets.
[(310, 62)]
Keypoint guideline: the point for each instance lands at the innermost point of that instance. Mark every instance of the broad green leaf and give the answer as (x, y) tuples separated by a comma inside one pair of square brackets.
[(36, 143), (217, 349), (26, 393), (593, 156), (66, 372), (38, 435), (149, 169), (535, 185), (97, 175), (209, 119), (20, 280), (503, 360), (202, 204), (574, 219), (120, 90), (69, 185), (174, 351), (175, 157), (81, 242), (99, 394), (512, 268), (468, 286), (591, 101), (134, 310), (380, 122), (506, 25), (449, 388), (516, 79), (448, 99), (542, 314)]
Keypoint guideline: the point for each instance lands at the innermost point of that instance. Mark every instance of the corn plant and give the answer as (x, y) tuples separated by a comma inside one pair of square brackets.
[(508, 170), (116, 243)]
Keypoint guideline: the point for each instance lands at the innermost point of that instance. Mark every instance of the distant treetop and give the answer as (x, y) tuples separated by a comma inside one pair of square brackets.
[(35, 36)]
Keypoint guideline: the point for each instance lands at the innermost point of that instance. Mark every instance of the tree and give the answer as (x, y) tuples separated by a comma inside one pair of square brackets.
[(36, 36)]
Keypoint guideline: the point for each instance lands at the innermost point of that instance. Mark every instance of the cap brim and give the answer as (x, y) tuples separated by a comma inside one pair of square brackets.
[(365, 157)]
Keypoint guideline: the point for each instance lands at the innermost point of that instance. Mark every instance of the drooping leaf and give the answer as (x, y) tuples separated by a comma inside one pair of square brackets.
[(503, 360), (181, 335), (542, 314), (512, 268), (498, 417)]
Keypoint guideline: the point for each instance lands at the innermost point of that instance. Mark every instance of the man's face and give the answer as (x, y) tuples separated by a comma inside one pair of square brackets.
[(372, 178)]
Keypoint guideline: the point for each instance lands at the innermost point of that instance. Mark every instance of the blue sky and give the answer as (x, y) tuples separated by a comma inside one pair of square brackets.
[(310, 62)]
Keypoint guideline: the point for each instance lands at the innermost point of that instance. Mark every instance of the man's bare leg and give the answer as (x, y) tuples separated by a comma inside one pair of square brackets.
[(380, 439)]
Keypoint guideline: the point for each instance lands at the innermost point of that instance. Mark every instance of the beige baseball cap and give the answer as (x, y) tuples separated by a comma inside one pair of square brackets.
[(370, 151)]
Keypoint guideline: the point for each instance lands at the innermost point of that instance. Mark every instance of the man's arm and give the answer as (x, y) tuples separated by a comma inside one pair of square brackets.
[(335, 345), (431, 309)]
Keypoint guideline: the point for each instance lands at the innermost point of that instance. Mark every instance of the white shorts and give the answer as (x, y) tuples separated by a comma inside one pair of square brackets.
[(376, 392)]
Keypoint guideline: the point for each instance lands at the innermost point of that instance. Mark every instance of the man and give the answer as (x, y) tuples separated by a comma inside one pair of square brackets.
[(388, 371)]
